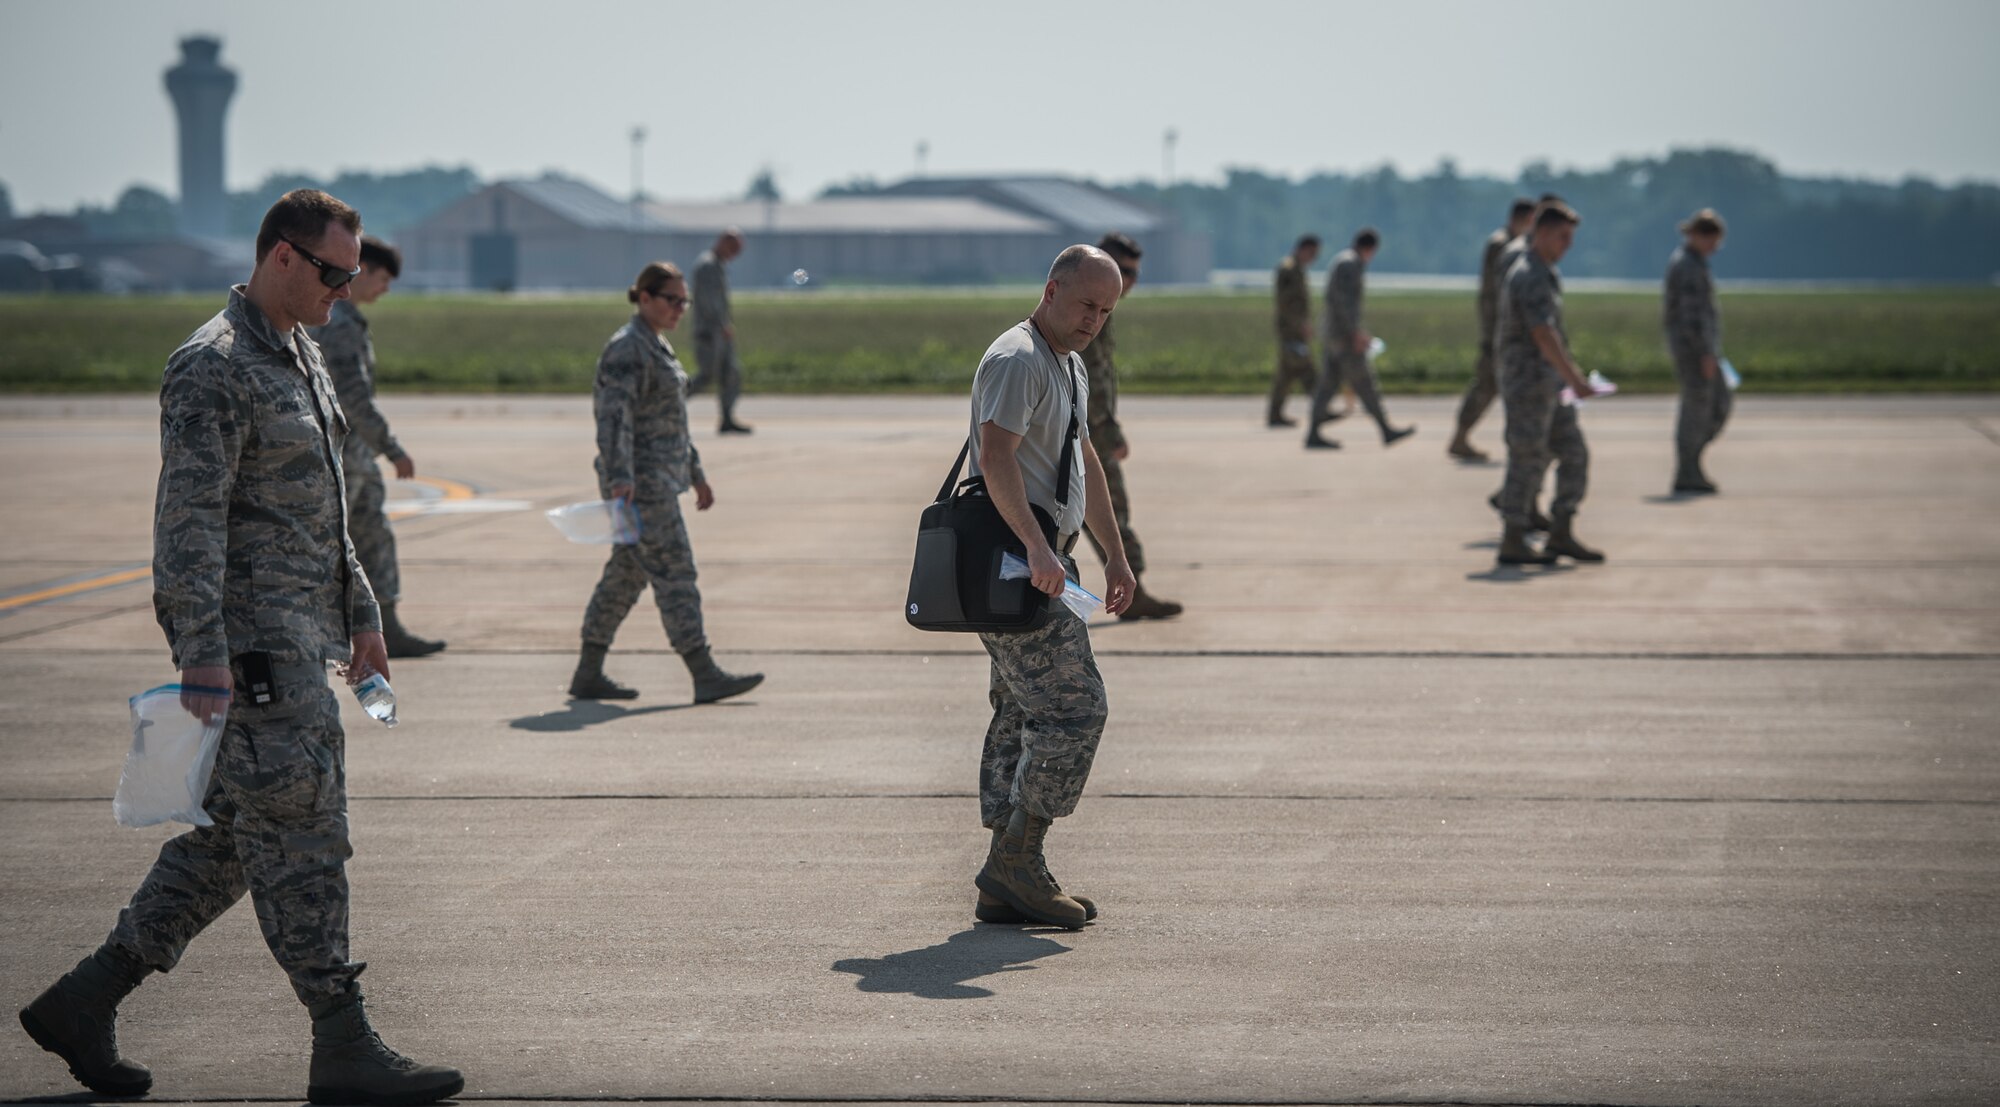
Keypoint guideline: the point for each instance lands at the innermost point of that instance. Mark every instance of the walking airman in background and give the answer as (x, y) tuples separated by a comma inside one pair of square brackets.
[(1694, 337), (646, 457), (1108, 437), (1535, 367), (715, 329), (350, 360), (1485, 385), (1344, 360), (1294, 296)]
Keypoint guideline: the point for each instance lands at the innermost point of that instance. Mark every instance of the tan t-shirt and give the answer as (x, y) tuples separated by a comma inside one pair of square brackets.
[(1020, 387)]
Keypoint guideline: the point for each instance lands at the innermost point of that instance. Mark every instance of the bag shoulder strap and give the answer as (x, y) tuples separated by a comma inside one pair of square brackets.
[(1067, 468), (951, 478)]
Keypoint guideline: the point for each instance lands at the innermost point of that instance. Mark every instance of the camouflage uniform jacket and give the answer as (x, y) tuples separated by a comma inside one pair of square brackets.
[(1105, 433), (1342, 320), (711, 296), (1694, 330), (1530, 297), (1490, 276), (250, 546), (641, 405), (1294, 300), (350, 361)]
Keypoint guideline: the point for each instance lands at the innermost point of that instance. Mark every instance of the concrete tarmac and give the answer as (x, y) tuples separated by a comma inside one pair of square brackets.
[(1717, 822)]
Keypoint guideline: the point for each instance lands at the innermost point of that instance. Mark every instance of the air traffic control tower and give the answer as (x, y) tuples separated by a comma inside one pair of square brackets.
[(201, 87)]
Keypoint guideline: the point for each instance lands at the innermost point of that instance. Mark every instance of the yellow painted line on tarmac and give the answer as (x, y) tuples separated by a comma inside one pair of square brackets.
[(449, 489), (123, 576)]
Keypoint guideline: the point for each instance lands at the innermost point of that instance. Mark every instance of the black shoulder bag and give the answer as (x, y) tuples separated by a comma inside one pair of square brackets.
[(955, 580)]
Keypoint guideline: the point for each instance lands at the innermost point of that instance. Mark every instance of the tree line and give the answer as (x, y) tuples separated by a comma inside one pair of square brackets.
[(1780, 227)]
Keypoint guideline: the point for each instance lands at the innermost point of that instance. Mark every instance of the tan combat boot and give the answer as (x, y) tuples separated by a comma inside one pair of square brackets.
[(1145, 605), (1016, 876), (993, 909)]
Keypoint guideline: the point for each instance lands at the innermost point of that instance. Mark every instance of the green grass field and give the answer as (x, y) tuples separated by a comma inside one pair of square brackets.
[(821, 342)]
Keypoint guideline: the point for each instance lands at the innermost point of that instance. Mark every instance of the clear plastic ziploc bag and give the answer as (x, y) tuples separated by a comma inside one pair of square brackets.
[(598, 522), (1074, 595), (173, 754)]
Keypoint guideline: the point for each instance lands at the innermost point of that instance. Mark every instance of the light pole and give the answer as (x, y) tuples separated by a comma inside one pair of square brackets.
[(1167, 157), (638, 189)]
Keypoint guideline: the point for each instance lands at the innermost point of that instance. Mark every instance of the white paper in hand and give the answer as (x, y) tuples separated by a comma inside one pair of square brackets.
[(1600, 385), (1074, 595)]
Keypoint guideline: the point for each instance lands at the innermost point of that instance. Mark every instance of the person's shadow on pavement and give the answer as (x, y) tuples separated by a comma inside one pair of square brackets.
[(941, 971), (1518, 574), (578, 714)]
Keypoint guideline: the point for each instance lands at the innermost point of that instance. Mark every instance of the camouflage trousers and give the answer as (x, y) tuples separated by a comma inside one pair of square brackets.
[(1354, 371), (1540, 427), (1121, 506), (1480, 393), (1295, 366), (279, 801), (1048, 714), (1705, 407), (662, 558), (716, 364), (374, 542)]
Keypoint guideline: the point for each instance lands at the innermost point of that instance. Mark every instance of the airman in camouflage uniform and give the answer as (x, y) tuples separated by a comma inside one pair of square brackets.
[(1294, 322), (1479, 394), (257, 589), (1344, 358), (1048, 698), (646, 457), (350, 361), (715, 329), (1535, 366), (1694, 337), (1515, 249), (1109, 438)]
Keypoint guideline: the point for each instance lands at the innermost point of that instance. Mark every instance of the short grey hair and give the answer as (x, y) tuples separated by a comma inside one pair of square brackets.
[(1074, 258)]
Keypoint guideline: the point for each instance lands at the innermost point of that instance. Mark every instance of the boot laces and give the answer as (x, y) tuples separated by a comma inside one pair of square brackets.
[(377, 1049), (1042, 865)]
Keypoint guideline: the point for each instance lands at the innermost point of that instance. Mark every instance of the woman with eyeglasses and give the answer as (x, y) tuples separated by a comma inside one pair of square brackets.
[(646, 457)]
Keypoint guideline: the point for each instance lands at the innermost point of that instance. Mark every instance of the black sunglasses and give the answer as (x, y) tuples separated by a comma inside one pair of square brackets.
[(1131, 272), (328, 275), (677, 301)]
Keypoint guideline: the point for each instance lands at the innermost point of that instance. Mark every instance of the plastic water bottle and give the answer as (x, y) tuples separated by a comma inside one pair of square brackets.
[(377, 698)]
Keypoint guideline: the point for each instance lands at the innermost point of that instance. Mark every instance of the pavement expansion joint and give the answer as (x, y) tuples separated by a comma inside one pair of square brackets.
[(1245, 797), (805, 1101)]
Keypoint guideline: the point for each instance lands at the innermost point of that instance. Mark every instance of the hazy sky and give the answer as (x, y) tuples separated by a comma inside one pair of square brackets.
[(826, 91)]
